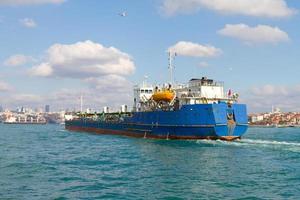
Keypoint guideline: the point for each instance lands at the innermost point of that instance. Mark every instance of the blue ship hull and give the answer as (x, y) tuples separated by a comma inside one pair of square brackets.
[(199, 121)]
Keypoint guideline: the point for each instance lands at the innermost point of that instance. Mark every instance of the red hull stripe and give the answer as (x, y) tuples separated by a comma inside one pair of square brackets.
[(146, 135)]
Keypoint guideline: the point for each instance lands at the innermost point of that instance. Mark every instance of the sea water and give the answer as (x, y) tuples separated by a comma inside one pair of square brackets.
[(48, 162)]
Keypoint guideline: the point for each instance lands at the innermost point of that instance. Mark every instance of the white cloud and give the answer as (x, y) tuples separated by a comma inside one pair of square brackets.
[(252, 35), (83, 60), (29, 2), (28, 23), (259, 8), (5, 87), (43, 69), (92, 98), (110, 90), (17, 60), (110, 83), (261, 98), (23, 99), (61, 99), (194, 50), (102, 71), (270, 90)]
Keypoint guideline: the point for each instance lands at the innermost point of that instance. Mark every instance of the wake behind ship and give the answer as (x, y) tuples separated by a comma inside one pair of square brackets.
[(197, 110)]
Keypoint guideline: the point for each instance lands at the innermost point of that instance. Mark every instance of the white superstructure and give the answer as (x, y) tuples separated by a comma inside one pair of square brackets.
[(202, 90), (142, 94)]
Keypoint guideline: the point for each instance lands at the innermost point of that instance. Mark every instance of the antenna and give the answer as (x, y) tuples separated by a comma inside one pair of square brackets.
[(171, 67), (81, 102), (145, 81)]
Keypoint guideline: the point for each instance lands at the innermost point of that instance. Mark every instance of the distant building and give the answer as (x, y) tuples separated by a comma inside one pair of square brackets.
[(257, 118), (24, 110), (47, 109), (1, 109)]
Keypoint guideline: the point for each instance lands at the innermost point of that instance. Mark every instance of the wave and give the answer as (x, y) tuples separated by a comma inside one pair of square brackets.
[(283, 145), (269, 142)]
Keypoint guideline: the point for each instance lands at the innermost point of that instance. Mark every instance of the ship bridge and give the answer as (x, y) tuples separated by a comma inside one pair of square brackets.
[(202, 90), (142, 94)]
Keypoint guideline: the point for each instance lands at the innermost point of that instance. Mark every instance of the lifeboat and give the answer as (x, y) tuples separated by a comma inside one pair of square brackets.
[(165, 95)]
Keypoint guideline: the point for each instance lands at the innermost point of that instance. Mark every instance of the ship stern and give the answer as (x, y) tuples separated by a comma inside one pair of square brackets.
[(231, 121)]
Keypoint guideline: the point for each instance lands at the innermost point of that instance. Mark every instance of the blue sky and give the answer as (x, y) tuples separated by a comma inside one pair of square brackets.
[(264, 71)]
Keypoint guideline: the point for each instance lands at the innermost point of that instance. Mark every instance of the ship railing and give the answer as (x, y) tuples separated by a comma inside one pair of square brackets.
[(216, 83), (189, 85), (207, 99), (182, 85)]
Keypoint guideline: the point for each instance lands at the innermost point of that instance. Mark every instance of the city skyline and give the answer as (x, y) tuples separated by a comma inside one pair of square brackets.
[(54, 51)]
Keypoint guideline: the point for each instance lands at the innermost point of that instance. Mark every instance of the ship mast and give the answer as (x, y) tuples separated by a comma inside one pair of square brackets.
[(171, 67), (145, 83), (81, 103)]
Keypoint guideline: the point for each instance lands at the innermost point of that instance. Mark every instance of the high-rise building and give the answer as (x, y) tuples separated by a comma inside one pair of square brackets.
[(47, 108), (1, 109)]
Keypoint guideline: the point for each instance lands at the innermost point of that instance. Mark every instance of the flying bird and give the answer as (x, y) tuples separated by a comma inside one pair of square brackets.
[(123, 14)]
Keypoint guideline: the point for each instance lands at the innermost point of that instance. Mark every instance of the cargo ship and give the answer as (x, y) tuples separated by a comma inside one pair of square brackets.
[(200, 109), (25, 119)]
